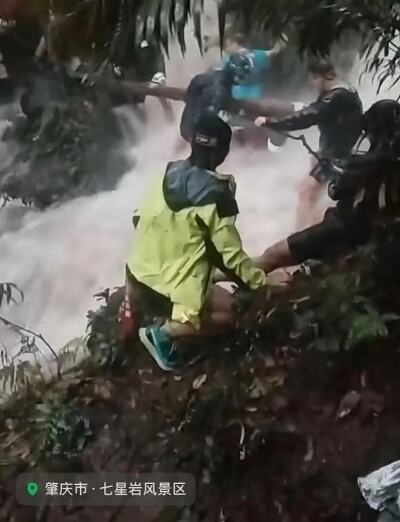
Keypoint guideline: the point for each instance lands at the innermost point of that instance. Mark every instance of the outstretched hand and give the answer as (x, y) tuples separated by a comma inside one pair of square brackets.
[(280, 278), (260, 121), (263, 121)]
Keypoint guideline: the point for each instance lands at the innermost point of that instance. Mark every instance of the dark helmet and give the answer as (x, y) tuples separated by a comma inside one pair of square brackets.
[(382, 122), (211, 132), (211, 141), (240, 66)]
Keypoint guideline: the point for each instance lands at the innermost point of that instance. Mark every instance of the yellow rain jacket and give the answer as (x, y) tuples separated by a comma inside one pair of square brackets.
[(186, 230)]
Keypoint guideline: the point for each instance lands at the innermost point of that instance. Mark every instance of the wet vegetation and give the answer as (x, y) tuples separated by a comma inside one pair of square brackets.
[(277, 422)]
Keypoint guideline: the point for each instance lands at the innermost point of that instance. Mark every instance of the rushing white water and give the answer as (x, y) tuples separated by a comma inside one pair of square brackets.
[(60, 258)]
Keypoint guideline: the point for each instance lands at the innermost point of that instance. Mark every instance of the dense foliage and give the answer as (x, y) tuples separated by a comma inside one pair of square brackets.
[(302, 400), (111, 27)]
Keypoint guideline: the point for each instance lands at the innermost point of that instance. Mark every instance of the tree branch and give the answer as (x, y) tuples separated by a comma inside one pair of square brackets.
[(38, 336)]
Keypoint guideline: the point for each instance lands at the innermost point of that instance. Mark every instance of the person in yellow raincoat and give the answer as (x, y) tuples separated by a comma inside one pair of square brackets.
[(186, 230)]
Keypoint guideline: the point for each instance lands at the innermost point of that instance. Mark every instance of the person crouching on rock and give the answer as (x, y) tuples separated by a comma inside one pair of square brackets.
[(185, 230)]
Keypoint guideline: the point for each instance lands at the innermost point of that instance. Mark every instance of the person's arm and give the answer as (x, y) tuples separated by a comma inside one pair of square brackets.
[(278, 47), (307, 117), (237, 265), (369, 161), (361, 169)]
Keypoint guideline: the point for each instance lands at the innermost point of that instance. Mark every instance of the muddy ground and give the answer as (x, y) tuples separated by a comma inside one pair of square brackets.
[(276, 422), (270, 433)]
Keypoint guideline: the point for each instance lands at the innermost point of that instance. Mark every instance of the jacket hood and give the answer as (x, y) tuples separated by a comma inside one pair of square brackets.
[(186, 185)]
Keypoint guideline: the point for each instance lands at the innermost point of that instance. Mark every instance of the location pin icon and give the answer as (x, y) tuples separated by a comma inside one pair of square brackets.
[(32, 488)]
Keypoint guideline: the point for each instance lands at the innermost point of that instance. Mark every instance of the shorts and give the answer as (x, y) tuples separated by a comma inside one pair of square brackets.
[(150, 306), (146, 302), (319, 172), (334, 232)]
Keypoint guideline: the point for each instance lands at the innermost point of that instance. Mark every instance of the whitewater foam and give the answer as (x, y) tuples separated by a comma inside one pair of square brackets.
[(60, 258)]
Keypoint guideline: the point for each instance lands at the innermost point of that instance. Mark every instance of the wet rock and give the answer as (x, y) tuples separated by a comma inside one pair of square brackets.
[(348, 404), (199, 382), (257, 389)]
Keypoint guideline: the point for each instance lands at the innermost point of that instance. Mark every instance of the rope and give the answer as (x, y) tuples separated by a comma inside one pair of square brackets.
[(305, 144)]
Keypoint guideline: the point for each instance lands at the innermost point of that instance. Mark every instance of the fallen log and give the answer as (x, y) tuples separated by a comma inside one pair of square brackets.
[(271, 108), (268, 107)]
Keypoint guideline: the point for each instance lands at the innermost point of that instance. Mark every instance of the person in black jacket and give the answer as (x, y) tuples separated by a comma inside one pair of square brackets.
[(338, 114), (212, 92), (363, 186), (208, 94)]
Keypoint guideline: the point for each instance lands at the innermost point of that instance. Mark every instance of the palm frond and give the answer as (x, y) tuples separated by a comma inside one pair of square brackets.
[(112, 26)]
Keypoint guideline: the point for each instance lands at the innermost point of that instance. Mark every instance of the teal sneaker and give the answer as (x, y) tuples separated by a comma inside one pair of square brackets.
[(160, 347)]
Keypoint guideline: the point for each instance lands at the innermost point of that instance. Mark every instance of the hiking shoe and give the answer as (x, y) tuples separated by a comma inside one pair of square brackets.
[(160, 347)]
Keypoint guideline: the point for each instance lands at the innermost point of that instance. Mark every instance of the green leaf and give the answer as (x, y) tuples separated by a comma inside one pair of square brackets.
[(365, 327)]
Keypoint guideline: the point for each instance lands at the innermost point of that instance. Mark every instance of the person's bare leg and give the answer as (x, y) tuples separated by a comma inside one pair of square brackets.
[(309, 194), (220, 317)]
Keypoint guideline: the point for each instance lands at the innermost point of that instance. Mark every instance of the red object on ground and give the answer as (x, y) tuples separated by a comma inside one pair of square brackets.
[(11, 9), (128, 318)]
